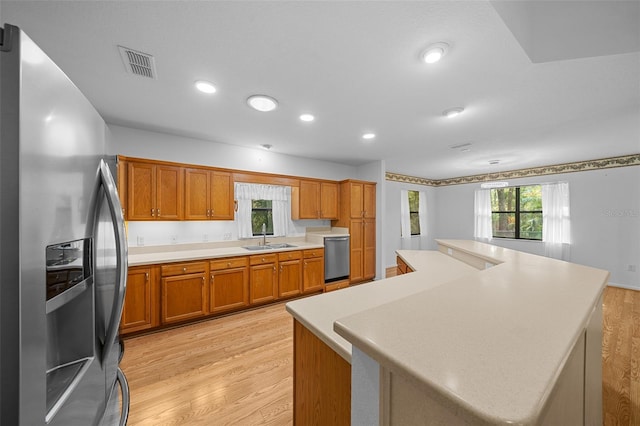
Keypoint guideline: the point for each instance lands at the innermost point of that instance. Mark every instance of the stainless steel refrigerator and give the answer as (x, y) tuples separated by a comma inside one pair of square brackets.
[(63, 253)]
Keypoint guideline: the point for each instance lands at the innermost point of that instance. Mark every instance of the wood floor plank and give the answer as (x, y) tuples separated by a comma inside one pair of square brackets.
[(238, 369)]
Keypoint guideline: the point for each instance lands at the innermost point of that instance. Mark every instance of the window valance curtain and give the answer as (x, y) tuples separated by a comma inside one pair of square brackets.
[(482, 211), (280, 197)]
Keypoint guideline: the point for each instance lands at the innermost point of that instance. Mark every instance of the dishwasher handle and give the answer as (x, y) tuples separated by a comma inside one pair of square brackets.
[(337, 239)]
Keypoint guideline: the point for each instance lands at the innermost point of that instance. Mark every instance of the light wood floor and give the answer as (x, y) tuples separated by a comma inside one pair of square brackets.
[(237, 370)]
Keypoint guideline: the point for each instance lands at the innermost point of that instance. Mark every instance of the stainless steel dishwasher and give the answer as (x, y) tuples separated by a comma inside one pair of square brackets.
[(336, 258)]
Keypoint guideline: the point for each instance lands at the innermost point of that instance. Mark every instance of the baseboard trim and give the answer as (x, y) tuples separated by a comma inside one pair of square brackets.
[(628, 287)]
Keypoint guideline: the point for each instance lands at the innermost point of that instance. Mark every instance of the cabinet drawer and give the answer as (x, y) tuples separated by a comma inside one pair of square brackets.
[(318, 252), (262, 259), (183, 268), (290, 255), (230, 262)]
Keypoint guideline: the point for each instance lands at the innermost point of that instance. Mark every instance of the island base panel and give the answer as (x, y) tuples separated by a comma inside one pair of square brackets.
[(322, 382)]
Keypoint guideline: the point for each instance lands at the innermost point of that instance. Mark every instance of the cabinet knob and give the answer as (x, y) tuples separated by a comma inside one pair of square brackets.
[(158, 213), (152, 212), (146, 276), (280, 268), (184, 269), (228, 264), (263, 259), (212, 278), (274, 269)]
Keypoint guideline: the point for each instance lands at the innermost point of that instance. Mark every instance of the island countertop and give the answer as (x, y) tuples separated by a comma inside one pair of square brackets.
[(492, 343)]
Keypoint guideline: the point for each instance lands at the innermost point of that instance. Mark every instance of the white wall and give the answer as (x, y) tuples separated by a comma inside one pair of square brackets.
[(391, 225), (161, 146), (605, 219)]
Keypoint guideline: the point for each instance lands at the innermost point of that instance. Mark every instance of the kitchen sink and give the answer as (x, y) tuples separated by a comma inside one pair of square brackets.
[(270, 246), (253, 248), (280, 245)]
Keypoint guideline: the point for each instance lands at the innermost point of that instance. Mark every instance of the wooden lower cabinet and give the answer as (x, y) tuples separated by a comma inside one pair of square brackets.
[(321, 382), (313, 270), (402, 267), (184, 293), (289, 274), (172, 293), (263, 279), (140, 311), (229, 284)]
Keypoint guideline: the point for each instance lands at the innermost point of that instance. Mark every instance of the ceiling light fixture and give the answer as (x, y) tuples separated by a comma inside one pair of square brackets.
[(452, 112), (307, 117), (368, 136), (494, 162), (262, 103), (435, 52), (205, 87), (266, 146)]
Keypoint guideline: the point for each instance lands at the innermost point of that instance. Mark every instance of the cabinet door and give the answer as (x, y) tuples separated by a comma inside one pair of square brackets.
[(196, 191), (369, 200), (313, 274), (228, 289), (221, 196), (289, 278), (122, 186), (263, 283), (136, 313), (309, 199), (357, 199), (356, 254), (328, 200), (141, 191), (369, 247), (169, 193), (183, 297)]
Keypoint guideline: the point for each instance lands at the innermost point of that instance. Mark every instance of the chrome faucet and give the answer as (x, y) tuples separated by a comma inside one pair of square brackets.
[(264, 234)]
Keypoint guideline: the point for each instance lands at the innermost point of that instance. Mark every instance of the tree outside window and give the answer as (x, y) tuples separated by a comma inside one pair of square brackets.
[(261, 213), (516, 212), (414, 217)]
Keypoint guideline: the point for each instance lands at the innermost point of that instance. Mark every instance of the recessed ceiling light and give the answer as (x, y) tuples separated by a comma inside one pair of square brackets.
[(205, 86), (452, 112), (494, 162), (368, 136), (262, 103), (266, 146), (307, 117), (435, 52)]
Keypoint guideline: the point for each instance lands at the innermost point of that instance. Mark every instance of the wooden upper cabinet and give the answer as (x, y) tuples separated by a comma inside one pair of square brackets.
[(317, 200), (154, 192), (363, 199), (208, 194), (329, 200)]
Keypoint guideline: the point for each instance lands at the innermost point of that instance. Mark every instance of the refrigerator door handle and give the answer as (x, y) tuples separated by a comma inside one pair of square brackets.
[(124, 387), (115, 209)]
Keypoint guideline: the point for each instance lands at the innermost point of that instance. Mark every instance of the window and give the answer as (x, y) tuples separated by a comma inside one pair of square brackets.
[(414, 209), (261, 213), (516, 212)]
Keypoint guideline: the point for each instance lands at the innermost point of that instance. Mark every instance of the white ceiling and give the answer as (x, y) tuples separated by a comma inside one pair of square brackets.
[(565, 87)]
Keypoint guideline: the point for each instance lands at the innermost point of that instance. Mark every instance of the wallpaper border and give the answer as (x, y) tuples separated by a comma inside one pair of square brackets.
[(580, 166)]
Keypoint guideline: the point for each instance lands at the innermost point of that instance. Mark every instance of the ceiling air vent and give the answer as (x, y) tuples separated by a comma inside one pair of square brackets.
[(138, 63)]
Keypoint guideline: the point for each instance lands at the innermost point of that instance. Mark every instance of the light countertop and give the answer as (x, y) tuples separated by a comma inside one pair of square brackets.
[(188, 252), (318, 313), (491, 342)]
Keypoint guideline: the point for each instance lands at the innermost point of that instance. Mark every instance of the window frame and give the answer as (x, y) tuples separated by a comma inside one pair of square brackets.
[(415, 213), (262, 209), (517, 212)]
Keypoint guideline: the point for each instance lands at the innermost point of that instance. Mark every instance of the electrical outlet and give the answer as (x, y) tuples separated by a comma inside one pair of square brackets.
[(631, 268), (205, 238), (174, 239), (227, 236), (140, 240)]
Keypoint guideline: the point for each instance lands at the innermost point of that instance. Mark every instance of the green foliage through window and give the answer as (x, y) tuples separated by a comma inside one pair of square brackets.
[(414, 217), (516, 212), (261, 213)]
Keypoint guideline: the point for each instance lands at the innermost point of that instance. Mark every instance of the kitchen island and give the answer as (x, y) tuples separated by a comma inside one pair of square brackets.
[(455, 343)]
